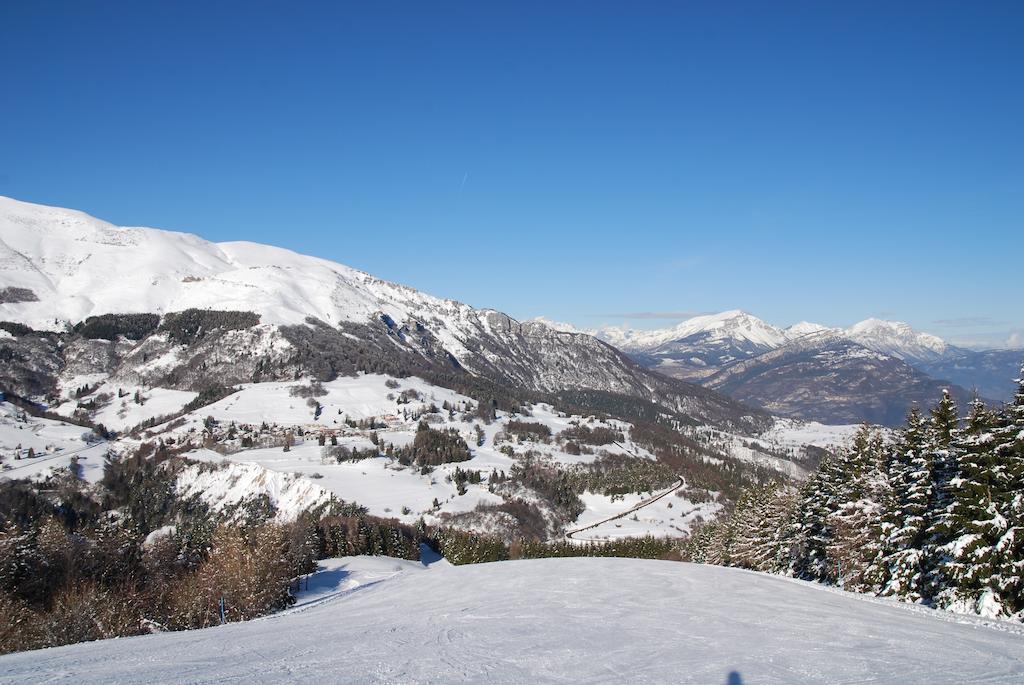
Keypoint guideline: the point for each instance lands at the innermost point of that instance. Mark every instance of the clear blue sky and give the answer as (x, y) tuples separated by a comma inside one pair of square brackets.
[(587, 161)]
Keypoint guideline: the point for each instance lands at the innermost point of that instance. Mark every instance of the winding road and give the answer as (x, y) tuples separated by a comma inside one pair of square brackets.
[(571, 535)]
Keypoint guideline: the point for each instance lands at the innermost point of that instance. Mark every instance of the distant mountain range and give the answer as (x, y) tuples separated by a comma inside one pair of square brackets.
[(873, 371)]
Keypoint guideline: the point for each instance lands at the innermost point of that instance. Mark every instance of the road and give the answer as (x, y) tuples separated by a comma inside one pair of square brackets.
[(571, 535)]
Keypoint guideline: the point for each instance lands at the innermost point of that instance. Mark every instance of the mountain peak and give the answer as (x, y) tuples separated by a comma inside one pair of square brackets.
[(731, 325), (799, 330), (897, 339)]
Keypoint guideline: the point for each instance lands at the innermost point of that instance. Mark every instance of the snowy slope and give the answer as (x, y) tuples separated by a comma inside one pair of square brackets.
[(54, 444), (234, 483), (798, 330), (560, 621), (67, 259)]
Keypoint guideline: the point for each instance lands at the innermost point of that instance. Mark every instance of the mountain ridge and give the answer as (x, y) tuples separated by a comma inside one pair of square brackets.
[(64, 267), (701, 347)]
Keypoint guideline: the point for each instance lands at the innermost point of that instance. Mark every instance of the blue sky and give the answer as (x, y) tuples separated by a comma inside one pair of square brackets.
[(593, 162)]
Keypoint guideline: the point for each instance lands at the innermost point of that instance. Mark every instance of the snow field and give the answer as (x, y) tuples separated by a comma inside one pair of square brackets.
[(123, 413), (54, 443), (556, 621)]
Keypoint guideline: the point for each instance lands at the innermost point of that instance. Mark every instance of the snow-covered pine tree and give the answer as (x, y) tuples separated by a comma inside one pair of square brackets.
[(910, 476), (739, 538), (812, 530), (857, 520), (699, 545), (760, 515), (777, 517), (941, 430), (719, 542), (972, 526), (1008, 445)]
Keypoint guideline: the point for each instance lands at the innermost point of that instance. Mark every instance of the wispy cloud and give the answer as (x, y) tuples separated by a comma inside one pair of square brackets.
[(649, 315), (995, 340), (969, 322)]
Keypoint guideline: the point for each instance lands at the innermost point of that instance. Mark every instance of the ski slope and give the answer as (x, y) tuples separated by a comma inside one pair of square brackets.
[(558, 621)]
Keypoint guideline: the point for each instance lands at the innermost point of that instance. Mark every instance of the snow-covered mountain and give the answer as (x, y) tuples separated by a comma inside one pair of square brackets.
[(899, 340), (734, 326), (894, 338), (697, 347), (70, 266), (60, 267), (719, 349), (798, 330), (380, 620)]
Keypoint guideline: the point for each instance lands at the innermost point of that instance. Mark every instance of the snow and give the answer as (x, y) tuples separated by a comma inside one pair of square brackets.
[(799, 330), (234, 483), (342, 575), (385, 487), (67, 259), (381, 485), (358, 397), (730, 325), (559, 326), (557, 621), (123, 413), (897, 339), (54, 443), (159, 534), (670, 516), (891, 338), (792, 433)]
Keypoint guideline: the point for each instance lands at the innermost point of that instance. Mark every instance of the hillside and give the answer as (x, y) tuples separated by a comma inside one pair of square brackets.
[(517, 462), (218, 314), (557, 620)]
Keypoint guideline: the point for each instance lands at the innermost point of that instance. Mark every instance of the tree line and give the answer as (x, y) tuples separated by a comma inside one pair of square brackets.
[(934, 516)]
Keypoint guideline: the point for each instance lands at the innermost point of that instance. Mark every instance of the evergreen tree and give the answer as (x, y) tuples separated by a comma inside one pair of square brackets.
[(762, 514), (857, 519), (811, 530), (971, 527), (1008, 446), (942, 428), (910, 476)]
